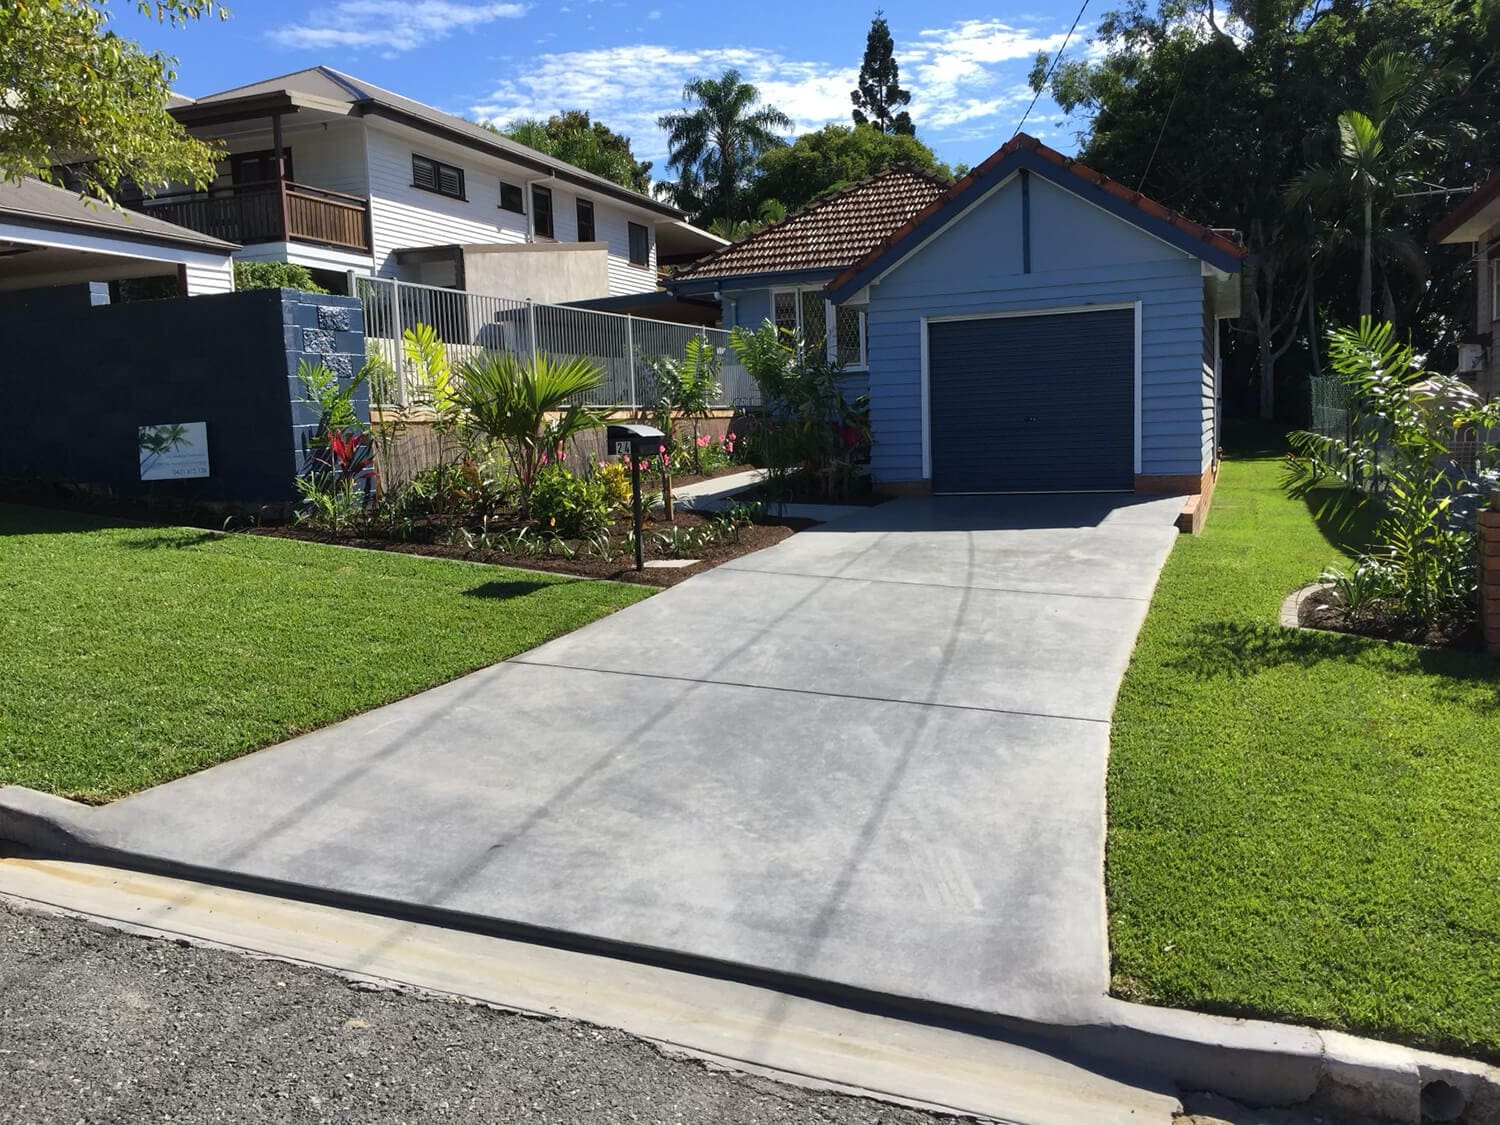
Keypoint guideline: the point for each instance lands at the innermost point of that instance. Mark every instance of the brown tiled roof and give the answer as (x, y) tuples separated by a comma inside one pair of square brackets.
[(1025, 142), (831, 233)]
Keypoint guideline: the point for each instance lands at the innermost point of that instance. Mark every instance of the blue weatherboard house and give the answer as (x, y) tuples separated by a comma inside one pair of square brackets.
[(1034, 327)]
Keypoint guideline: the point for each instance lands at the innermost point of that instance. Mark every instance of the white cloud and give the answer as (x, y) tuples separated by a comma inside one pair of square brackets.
[(968, 81), (391, 25)]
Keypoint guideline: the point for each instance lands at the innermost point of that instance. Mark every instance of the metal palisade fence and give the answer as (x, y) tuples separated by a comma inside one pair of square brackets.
[(624, 347)]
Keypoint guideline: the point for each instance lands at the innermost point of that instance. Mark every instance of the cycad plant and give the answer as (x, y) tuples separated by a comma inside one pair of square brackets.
[(528, 407), (1423, 564)]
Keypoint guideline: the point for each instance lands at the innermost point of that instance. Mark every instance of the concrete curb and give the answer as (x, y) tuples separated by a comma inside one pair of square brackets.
[(1254, 1061)]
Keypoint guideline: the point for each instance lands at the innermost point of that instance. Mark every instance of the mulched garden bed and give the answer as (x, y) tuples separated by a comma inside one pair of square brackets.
[(620, 568), (1321, 610)]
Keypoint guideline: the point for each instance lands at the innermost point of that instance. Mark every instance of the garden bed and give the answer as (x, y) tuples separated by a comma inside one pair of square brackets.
[(1321, 609), (572, 556)]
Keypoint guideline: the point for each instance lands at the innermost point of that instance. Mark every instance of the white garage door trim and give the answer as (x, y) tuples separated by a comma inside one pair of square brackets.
[(1052, 310)]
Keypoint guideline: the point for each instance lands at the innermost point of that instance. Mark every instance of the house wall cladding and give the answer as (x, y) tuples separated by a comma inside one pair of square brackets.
[(404, 217), (1080, 256), (227, 360)]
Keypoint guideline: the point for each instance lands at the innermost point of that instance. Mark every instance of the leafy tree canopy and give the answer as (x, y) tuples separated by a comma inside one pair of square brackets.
[(834, 156), (1214, 110), (591, 145), (77, 94), (879, 98)]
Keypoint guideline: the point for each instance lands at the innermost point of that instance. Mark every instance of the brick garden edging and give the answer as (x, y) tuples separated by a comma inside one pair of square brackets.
[(1489, 574)]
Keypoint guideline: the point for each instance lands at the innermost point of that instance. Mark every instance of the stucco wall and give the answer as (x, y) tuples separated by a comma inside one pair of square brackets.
[(1080, 256), (551, 273)]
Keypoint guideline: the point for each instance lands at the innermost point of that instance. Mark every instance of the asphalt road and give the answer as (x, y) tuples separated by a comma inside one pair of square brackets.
[(102, 1026), (99, 1025)]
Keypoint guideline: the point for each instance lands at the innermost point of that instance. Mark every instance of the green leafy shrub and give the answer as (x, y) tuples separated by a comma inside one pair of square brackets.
[(810, 427), (570, 506), (274, 275), (1407, 424)]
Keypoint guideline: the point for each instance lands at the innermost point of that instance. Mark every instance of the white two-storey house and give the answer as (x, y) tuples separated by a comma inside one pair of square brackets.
[(348, 179)]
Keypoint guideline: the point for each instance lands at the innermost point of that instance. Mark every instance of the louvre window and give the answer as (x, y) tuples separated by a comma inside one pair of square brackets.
[(512, 198), (585, 221), (541, 212), (430, 175), (640, 245)]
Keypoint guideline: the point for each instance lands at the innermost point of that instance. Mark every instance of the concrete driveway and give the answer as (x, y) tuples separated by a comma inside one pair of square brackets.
[(873, 755)]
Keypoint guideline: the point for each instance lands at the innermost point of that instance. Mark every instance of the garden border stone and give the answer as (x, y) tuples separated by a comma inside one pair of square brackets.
[(1291, 605)]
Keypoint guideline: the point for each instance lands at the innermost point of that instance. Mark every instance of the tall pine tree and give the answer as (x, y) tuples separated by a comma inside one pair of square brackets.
[(878, 100)]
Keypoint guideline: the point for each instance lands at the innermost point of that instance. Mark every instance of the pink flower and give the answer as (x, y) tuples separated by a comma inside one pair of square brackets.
[(703, 440), (661, 449)]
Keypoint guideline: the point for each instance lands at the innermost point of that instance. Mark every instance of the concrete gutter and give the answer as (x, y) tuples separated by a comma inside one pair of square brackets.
[(1254, 1061)]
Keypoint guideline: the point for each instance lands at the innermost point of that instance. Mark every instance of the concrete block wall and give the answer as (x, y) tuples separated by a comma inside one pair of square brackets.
[(78, 380), (1489, 575), (320, 329)]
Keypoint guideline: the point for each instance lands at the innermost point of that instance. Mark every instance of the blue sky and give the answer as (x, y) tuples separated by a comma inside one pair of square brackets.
[(626, 60)]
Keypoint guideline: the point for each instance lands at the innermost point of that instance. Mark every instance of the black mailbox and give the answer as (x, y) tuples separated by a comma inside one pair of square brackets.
[(631, 439)]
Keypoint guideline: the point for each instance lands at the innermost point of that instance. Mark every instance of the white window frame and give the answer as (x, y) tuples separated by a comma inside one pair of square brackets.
[(830, 324), (1494, 290)]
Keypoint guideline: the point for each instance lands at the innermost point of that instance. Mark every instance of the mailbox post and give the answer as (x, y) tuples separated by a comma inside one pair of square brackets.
[(631, 439)]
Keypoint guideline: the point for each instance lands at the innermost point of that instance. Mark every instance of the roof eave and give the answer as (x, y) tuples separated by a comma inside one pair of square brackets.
[(185, 241), (1471, 218), (766, 279)]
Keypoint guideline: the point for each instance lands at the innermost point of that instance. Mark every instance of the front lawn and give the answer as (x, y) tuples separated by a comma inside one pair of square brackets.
[(1302, 826), (131, 655)]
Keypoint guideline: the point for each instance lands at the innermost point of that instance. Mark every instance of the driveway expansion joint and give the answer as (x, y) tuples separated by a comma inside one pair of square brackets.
[(932, 585), (807, 691)]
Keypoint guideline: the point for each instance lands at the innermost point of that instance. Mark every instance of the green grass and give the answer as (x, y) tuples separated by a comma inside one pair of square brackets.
[(1302, 825), (131, 655)]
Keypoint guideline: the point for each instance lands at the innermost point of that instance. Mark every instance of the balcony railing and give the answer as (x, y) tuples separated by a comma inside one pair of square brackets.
[(277, 211)]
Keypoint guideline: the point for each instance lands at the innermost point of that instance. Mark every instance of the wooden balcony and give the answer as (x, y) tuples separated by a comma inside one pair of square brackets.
[(276, 211)]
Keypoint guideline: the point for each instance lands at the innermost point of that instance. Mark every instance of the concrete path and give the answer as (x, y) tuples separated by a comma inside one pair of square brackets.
[(873, 755)]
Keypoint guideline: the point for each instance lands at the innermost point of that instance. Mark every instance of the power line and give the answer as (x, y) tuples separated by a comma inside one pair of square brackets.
[(1160, 133), (1055, 59)]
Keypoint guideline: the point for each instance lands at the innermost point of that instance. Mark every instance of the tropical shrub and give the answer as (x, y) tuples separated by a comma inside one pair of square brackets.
[(809, 426), (1410, 425), (335, 485), (614, 478), (686, 389), (570, 506), (523, 406), (274, 275)]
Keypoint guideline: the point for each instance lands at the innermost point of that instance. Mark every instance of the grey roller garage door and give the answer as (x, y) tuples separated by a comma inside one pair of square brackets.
[(1033, 403)]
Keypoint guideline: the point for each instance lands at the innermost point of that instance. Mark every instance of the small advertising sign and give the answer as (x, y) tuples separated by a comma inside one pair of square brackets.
[(173, 450)]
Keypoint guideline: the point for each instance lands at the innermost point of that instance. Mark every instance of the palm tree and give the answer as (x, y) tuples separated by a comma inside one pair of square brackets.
[(523, 405), (715, 144), (1379, 157)]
